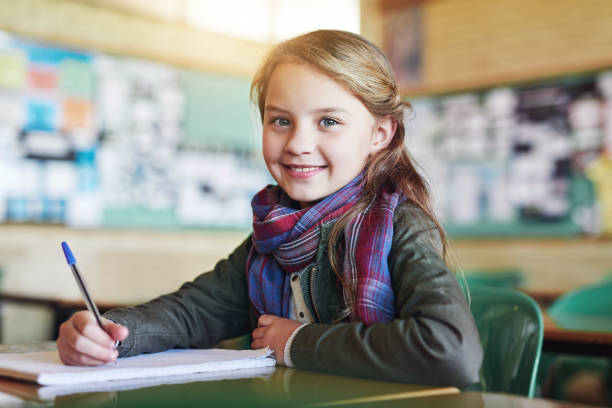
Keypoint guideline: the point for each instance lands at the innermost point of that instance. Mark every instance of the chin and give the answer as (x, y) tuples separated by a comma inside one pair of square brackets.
[(305, 199)]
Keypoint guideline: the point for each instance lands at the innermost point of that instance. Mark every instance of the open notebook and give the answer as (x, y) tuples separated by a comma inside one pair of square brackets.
[(43, 393), (45, 367)]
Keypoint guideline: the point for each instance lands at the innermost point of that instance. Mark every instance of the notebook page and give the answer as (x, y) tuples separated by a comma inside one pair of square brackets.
[(49, 392), (45, 367)]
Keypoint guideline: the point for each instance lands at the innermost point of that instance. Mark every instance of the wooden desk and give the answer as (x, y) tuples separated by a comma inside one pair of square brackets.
[(592, 343), (577, 342), (284, 388), (558, 340), (281, 388)]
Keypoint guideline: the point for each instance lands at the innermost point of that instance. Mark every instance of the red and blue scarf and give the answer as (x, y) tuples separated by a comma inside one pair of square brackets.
[(286, 240)]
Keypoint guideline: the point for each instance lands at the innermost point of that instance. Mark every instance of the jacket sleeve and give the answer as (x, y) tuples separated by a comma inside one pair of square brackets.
[(211, 308), (432, 341)]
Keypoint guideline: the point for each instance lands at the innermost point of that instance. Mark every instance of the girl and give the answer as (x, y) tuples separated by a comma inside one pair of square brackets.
[(344, 271)]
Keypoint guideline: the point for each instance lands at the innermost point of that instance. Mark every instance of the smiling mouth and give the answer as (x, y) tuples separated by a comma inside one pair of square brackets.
[(303, 169)]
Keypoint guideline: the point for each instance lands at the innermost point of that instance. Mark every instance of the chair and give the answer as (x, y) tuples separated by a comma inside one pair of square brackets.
[(511, 331), (507, 278), (586, 308)]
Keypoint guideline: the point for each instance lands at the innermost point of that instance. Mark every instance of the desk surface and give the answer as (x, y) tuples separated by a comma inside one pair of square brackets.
[(280, 388), (559, 340), (284, 387)]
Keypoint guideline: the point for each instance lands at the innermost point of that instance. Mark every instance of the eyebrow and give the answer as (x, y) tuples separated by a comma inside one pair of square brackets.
[(321, 110)]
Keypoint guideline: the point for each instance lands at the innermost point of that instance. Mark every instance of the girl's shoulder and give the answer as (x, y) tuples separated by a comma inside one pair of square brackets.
[(408, 214), (412, 224)]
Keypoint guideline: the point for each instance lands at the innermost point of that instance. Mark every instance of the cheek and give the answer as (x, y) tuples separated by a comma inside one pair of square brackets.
[(272, 152), (349, 158), (267, 149)]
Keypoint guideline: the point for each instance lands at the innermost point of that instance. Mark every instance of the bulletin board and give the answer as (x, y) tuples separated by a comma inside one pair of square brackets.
[(533, 159), (527, 158), (92, 140)]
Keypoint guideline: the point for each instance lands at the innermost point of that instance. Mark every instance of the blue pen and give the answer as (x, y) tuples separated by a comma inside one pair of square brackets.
[(83, 287)]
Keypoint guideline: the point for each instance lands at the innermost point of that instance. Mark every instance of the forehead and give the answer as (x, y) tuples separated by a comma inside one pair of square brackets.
[(299, 82)]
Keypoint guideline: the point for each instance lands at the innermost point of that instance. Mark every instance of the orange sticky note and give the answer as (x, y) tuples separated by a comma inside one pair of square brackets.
[(77, 114)]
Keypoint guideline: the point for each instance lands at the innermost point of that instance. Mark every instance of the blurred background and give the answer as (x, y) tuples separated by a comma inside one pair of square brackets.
[(126, 130)]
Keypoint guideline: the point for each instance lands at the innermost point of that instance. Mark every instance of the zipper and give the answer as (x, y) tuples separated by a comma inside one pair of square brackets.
[(312, 298)]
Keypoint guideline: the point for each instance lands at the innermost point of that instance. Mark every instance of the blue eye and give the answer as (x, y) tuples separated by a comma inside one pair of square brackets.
[(327, 122), (281, 122)]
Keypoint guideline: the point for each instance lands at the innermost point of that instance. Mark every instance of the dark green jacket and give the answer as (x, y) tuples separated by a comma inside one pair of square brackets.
[(433, 340)]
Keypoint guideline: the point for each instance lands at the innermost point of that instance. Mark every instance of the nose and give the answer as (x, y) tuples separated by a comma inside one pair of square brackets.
[(300, 141)]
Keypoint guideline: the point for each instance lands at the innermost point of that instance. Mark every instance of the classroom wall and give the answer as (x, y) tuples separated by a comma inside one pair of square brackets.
[(89, 25), (128, 266), (475, 43), (121, 266)]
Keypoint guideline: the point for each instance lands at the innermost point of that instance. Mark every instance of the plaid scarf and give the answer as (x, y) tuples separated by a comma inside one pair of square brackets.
[(286, 240)]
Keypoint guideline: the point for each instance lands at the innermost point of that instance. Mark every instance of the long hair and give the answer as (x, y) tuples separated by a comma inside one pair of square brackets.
[(362, 68)]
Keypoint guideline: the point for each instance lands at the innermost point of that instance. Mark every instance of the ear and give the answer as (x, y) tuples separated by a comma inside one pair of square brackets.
[(384, 130)]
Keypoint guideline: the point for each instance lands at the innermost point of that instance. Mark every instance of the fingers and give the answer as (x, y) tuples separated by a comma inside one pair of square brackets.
[(86, 324), (265, 327), (73, 357), (259, 343), (82, 342), (82, 347), (258, 336), (70, 356), (273, 332), (258, 333), (266, 320)]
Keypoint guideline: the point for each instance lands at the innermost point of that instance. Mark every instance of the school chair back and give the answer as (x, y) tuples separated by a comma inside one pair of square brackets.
[(511, 331), (507, 277), (586, 308)]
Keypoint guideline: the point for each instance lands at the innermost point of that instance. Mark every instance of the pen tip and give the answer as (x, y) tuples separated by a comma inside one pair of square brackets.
[(68, 253)]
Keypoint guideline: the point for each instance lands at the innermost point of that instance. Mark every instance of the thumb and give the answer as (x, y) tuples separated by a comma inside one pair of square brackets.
[(266, 320), (115, 330)]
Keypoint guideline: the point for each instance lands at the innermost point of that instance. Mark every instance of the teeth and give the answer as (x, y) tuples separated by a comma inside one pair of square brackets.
[(303, 169)]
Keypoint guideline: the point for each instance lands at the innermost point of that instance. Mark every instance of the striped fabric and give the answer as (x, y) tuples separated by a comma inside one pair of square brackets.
[(286, 240)]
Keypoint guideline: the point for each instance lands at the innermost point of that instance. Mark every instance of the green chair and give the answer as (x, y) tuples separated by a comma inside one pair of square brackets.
[(586, 308), (511, 330), (507, 278)]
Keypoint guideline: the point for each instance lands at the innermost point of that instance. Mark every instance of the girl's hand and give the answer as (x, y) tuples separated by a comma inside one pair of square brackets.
[(273, 331), (82, 342)]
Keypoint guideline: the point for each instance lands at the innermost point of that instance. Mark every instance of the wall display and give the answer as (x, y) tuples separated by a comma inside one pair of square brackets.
[(45, 125), (93, 140), (524, 160)]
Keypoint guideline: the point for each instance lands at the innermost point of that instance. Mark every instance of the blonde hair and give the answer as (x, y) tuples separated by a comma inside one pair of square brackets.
[(362, 68)]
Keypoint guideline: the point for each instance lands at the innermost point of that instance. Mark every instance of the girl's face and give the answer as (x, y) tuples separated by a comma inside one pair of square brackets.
[(317, 135)]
